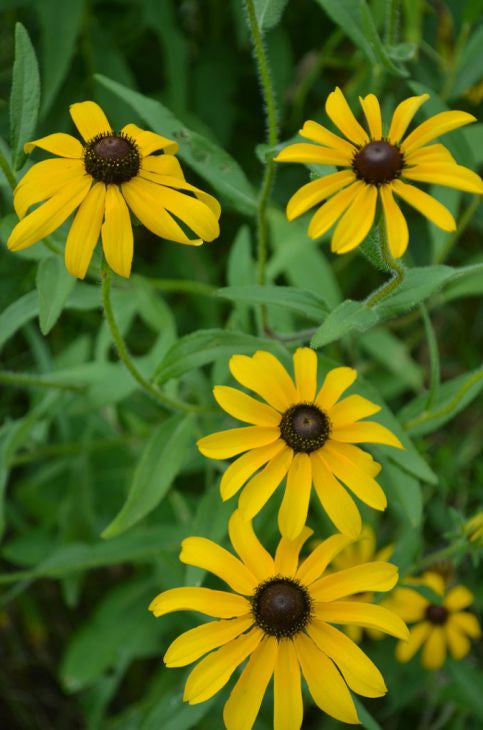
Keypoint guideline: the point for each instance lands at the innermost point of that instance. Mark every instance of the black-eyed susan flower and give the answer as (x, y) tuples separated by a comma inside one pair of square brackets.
[(280, 618), (438, 625), (105, 176), (372, 167), (300, 433)]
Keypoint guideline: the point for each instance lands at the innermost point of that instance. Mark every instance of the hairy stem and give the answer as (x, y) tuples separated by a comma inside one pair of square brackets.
[(397, 269)]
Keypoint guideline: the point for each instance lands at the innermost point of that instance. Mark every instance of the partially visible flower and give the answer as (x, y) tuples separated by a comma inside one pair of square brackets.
[(474, 529), (103, 177), (438, 626), (279, 617), (300, 433), (372, 166)]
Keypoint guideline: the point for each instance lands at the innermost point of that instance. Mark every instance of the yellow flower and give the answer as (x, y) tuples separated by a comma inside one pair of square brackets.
[(474, 529), (374, 163), (102, 177), (438, 625), (298, 433), (280, 618)]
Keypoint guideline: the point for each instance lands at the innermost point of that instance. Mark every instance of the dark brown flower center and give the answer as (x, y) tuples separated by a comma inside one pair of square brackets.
[(378, 162), (281, 607), (436, 614), (305, 427), (111, 158)]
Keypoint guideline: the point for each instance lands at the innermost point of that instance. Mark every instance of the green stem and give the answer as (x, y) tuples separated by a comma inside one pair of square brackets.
[(397, 269), (435, 369), (7, 171), (25, 380), (392, 22), (272, 137), (165, 401), (440, 555)]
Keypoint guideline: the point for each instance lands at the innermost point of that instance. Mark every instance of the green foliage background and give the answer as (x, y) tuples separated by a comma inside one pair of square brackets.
[(99, 482)]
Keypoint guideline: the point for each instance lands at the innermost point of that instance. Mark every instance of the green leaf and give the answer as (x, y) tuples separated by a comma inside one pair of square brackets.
[(392, 353), (301, 301), (17, 314), (205, 346), (405, 490), (356, 21), (469, 64), (345, 318), (160, 462), (466, 687), (269, 12), (54, 284), (209, 160), (365, 718), (24, 96)]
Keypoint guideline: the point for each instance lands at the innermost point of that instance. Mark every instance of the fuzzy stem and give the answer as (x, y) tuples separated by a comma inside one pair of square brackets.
[(397, 269)]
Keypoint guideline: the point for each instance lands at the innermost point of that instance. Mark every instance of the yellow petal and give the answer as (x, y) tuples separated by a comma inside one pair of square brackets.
[(337, 503), (336, 382), (330, 211), (356, 222), (60, 144), (89, 119), (166, 165), (403, 115), (288, 707), (425, 204), (328, 689), (244, 407), (174, 182), (315, 564), (374, 576), (432, 153), (466, 622), (362, 614), (340, 112), (434, 651), (149, 142), (408, 604), (243, 704), (313, 154), (435, 127), (446, 173), (49, 216), (267, 378), (435, 581), (249, 547), (360, 482), (369, 431), (317, 133), (372, 113), (44, 180), (405, 650), (117, 235), (287, 553), (395, 223), (206, 554), (351, 409), (84, 231), (219, 604), (192, 644), (295, 504), (261, 487), (194, 213), (458, 598), (361, 675), (458, 644), (317, 190), (305, 371), (360, 458), (245, 466), (214, 671), (224, 444), (276, 373)]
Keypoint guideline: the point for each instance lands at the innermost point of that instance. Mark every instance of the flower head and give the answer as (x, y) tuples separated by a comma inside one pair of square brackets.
[(372, 165), (279, 618), (103, 177), (300, 433), (438, 625)]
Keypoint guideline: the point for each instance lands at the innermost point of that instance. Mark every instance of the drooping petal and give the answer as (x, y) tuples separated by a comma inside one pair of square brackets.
[(368, 431), (362, 614), (362, 459), (315, 564), (218, 604), (435, 127), (374, 576), (117, 235), (214, 671), (206, 554), (466, 622), (372, 113), (425, 204), (458, 643), (314, 154), (49, 216), (287, 553), (249, 547), (403, 115), (405, 650), (224, 444), (149, 142), (434, 651), (446, 173), (337, 503), (245, 466), (317, 133), (243, 704), (178, 184), (341, 114), (458, 598), (351, 409), (89, 119), (166, 165), (272, 383), (336, 382), (244, 407), (316, 191), (356, 222), (192, 644), (59, 143), (84, 231), (261, 487), (288, 707), (396, 226), (330, 211), (433, 153), (328, 689), (44, 180), (295, 504), (191, 211), (360, 673), (360, 482), (305, 371)]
